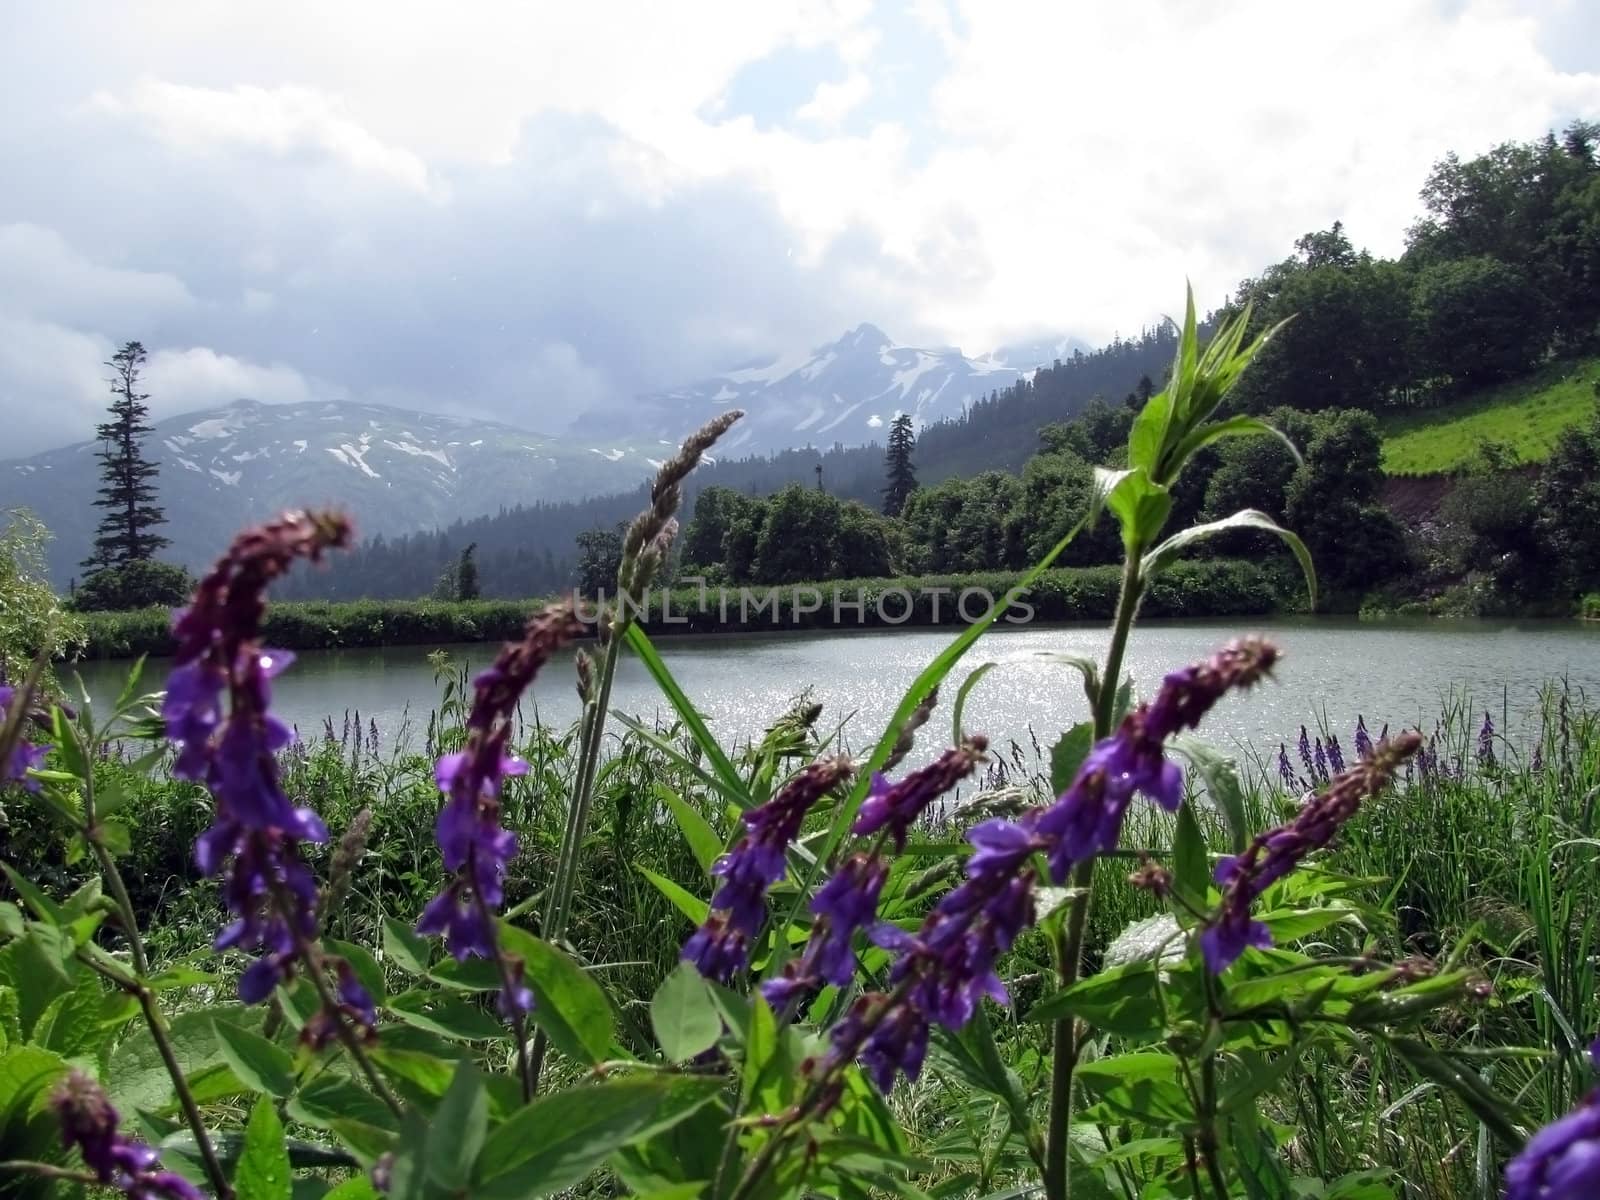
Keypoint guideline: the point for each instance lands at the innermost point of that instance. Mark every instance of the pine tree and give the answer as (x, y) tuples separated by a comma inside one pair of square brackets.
[(128, 491), (902, 475), (467, 574)]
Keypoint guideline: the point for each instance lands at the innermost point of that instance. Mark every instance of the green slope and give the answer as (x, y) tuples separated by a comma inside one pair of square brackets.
[(1527, 415)]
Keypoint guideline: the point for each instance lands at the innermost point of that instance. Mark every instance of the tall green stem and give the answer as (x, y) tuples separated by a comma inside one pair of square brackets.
[(558, 905), (147, 1002), (1069, 943)]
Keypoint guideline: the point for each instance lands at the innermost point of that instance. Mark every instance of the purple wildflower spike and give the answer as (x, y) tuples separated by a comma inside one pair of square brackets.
[(1363, 738), (475, 847), (1486, 757), (1275, 853), (1335, 755), (1305, 754), (1536, 763), (896, 806), (1086, 819), (254, 842), (846, 903), (1319, 763), (1285, 771), (721, 946), (24, 755), (89, 1122)]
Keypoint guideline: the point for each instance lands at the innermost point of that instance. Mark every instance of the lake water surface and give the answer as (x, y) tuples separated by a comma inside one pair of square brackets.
[(1395, 672)]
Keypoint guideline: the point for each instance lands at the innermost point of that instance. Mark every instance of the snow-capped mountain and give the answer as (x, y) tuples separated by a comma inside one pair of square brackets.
[(847, 392), (395, 471), (1041, 352)]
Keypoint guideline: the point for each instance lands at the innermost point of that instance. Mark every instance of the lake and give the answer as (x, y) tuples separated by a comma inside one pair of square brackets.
[(1394, 671)]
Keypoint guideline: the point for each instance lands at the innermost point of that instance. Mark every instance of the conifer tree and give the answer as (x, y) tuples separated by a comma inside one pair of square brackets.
[(902, 475), (127, 491), (467, 574)]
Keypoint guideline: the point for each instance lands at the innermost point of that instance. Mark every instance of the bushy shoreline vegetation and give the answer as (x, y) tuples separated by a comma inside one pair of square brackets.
[(1208, 588)]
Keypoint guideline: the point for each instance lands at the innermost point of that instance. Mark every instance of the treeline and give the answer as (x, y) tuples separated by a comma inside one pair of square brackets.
[(998, 521), (1198, 589)]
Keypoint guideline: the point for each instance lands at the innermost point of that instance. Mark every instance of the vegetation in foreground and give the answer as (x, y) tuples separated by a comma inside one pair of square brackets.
[(1267, 1025)]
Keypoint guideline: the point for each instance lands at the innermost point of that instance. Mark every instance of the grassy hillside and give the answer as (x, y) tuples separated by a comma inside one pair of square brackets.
[(1527, 415)]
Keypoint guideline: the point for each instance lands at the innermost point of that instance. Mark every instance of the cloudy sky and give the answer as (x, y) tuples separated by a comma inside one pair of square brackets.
[(522, 209)]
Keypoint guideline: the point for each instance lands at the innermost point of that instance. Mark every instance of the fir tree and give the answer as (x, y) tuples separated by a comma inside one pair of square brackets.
[(127, 493), (467, 574), (902, 475)]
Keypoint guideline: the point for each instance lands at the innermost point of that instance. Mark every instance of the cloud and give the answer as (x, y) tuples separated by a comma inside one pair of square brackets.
[(285, 122), (522, 210), (199, 377)]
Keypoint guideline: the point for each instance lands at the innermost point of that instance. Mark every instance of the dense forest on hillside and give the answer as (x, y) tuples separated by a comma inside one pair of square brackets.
[(1500, 273)]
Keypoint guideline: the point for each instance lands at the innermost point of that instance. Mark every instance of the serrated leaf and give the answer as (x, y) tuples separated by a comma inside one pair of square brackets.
[(259, 1064), (263, 1170), (1154, 938), (683, 1015)]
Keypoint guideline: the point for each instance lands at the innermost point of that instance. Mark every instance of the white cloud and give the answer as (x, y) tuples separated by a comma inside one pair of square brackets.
[(832, 102), (42, 274), (199, 377), (284, 121)]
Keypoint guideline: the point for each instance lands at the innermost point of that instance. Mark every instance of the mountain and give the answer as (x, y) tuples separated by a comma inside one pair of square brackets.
[(846, 392), (1042, 352), (393, 470)]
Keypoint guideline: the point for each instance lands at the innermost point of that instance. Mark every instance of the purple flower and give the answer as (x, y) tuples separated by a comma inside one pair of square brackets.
[(89, 1122), (1273, 854), (352, 1005), (721, 945), (846, 903), (254, 841), (1486, 756), (1335, 755), (1562, 1160), (1086, 819), (1305, 753), (1536, 763), (1319, 764), (475, 847), (1286, 772), (896, 806), (1363, 738), (23, 755)]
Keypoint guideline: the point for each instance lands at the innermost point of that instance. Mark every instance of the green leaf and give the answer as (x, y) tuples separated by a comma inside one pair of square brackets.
[(259, 1064), (445, 1015), (683, 1015), (138, 1079), (1221, 776), (569, 1006), (69, 744), (1141, 507), (556, 1141), (1121, 1000), (359, 1188), (1148, 436), (1154, 938), (1239, 426), (263, 1170), (703, 841), (404, 948), (1191, 874), (457, 1131), (1246, 518), (641, 645), (366, 968), (38, 903), (967, 684), (469, 975), (1067, 755), (696, 910)]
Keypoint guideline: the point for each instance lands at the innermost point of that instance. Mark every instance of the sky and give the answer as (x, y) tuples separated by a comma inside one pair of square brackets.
[(523, 210)]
